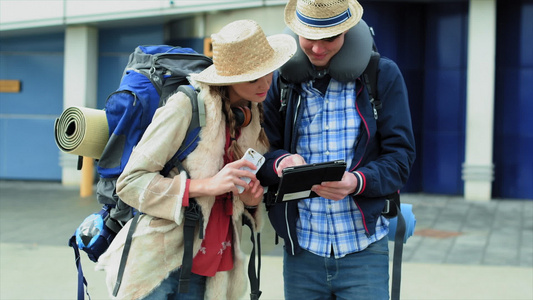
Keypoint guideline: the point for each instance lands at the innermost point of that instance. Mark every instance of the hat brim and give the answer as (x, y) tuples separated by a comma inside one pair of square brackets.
[(316, 33), (284, 48)]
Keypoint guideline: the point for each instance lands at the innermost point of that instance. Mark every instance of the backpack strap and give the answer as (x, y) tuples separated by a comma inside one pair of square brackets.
[(193, 214), (197, 104), (82, 282), (193, 132), (125, 252), (284, 96), (398, 249), (370, 79), (253, 276)]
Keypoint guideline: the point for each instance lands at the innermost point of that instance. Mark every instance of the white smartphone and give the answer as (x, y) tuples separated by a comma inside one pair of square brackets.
[(257, 159)]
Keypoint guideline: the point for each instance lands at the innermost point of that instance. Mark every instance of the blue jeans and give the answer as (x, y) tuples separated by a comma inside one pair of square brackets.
[(168, 289), (361, 275)]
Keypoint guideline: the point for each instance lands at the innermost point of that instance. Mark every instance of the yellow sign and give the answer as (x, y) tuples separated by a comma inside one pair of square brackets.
[(208, 47), (9, 86)]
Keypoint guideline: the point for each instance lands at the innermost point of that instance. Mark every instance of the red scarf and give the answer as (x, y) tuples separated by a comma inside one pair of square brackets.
[(216, 254)]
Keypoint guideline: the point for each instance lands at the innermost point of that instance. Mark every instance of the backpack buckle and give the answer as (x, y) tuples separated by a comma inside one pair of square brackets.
[(193, 214), (386, 209)]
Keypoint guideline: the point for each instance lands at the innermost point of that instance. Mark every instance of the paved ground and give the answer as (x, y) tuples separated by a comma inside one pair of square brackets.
[(460, 249)]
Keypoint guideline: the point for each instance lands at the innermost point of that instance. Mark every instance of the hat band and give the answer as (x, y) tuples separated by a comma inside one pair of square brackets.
[(328, 22)]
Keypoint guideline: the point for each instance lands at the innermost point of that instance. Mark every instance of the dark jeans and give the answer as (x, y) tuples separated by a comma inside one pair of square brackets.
[(168, 290), (362, 275)]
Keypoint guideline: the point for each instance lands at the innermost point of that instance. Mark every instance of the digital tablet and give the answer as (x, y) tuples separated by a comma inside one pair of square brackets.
[(296, 182)]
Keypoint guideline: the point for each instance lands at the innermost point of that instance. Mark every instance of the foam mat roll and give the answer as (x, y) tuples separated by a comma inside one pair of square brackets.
[(82, 131)]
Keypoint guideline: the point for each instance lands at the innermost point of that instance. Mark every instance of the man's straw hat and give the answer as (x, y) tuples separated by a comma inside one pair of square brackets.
[(319, 19), (242, 53)]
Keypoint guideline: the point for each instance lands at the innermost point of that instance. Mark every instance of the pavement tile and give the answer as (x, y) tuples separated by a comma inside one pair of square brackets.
[(460, 249)]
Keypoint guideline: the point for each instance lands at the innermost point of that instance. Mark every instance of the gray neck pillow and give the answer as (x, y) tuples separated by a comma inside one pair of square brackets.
[(347, 65)]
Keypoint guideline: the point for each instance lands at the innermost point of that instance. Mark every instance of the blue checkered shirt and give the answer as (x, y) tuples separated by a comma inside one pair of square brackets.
[(328, 131)]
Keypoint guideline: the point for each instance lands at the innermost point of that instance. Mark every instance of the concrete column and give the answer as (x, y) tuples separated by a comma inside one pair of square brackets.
[(79, 84), (478, 168)]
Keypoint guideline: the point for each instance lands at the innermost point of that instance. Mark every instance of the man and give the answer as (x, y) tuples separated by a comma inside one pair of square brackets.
[(336, 244)]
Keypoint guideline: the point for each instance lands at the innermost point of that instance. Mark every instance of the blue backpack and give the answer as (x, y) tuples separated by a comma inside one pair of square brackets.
[(153, 73)]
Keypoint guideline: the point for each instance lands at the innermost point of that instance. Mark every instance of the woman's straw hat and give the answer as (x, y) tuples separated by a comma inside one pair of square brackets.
[(242, 53), (319, 19)]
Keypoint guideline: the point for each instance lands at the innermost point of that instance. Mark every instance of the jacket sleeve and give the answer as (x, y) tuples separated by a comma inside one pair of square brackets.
[(140, 185), (395, 140), (274, 125)]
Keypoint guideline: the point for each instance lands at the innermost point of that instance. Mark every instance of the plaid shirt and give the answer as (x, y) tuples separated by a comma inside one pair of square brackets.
[(328, 131)]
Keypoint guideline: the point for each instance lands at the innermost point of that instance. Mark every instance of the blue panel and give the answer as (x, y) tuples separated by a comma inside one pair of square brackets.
[(402, 39), (28, 150), (513, 125), (526, 33), (442, 160), (111, 69), (41, 76), (514, 173), (413, 80), (115, 47), (34, 43), (127, 38), (445, 101), (383, 18), (446, 34), (443, 138), (444, 98)]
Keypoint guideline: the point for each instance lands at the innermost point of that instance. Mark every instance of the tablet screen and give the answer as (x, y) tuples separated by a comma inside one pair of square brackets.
[(296, 182)]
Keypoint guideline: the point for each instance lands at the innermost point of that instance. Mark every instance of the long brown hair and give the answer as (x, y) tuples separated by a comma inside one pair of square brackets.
[(234, 151)]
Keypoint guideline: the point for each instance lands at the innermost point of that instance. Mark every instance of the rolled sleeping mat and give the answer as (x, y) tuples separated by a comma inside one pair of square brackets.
[(410, 222), (82, 131)]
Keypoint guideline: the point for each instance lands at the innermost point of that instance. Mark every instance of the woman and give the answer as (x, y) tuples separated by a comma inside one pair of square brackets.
[(241, 74)]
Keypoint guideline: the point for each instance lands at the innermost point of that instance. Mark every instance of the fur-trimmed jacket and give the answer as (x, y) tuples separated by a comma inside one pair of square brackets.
[(157, 246)]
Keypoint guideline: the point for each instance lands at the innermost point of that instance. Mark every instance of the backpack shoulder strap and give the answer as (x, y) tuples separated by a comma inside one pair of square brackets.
[(370, 79), (82, 282), (125, 253), (192, 216), (198, 107), (193, 213), (254, 276), (284, 95), (398, 248), (193, 132)]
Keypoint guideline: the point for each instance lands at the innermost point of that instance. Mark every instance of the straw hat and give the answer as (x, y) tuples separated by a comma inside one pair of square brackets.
[(319, 19), (242, 52)]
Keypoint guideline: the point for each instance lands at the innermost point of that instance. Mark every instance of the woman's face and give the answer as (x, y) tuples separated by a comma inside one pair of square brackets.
[(254, 91)]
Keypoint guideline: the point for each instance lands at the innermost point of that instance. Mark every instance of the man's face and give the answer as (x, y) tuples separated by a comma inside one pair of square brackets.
[(321, 51)]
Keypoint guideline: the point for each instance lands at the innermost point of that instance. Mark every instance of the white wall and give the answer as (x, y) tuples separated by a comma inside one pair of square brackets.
[(24, 14)]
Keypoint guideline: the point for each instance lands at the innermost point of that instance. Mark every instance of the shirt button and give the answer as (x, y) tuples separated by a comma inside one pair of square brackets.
[(327, 152)]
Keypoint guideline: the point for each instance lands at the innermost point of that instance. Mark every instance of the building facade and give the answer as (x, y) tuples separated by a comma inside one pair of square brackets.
[(466, 64)]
